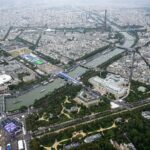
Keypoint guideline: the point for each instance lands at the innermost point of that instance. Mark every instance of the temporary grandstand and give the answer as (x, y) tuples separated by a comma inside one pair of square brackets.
[(67, 77), (11, 126)]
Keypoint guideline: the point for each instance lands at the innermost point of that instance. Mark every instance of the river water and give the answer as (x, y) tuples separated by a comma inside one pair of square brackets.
[(29, 98), (100, 58)]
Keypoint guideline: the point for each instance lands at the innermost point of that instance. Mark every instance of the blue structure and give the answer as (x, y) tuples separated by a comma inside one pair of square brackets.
[(8, 147), (11, 126), (67, 77)]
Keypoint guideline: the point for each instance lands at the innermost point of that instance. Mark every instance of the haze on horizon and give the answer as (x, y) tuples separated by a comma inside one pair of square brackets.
[(103, 3)]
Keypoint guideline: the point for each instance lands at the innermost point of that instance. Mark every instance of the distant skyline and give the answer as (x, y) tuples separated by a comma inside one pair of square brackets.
[(103, 3)]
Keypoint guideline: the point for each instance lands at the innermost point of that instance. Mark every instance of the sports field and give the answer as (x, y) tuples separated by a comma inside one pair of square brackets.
[(33, 59)]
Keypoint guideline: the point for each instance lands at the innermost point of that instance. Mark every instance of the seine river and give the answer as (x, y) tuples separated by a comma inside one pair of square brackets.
[(29, 97)]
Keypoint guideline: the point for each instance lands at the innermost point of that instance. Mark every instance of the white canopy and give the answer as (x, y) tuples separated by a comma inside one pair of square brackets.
[(4, 79)]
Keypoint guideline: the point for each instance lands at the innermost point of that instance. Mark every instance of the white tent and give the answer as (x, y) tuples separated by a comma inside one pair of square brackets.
[(4, 79)]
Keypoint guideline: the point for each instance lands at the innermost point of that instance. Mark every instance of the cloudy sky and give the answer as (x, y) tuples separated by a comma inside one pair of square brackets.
[(115, 3)]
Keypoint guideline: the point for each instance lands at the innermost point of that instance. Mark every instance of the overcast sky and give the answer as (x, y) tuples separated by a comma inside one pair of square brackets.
[(105, 3)]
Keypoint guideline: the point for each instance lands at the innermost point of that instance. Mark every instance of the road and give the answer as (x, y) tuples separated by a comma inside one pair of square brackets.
[(91, 118)]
